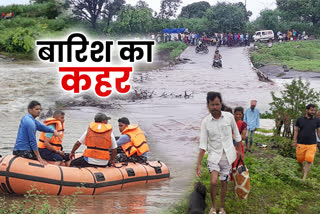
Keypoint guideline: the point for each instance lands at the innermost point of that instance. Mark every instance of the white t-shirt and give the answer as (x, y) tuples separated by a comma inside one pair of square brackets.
[(216, 137), (96, 161)]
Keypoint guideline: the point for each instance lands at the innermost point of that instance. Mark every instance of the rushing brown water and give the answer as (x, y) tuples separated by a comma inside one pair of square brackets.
[(171, 121)]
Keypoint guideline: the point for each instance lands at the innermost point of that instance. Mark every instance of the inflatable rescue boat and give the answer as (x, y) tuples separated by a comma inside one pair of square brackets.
[(19, 175)]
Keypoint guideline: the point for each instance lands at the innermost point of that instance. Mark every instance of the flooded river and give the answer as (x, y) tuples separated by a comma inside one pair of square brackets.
[(170, 118)]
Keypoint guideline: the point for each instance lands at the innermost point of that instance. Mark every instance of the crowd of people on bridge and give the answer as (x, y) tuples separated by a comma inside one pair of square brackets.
[(193, 38)]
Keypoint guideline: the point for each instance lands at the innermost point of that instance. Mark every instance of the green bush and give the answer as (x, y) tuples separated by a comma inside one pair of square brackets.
[(9, 23), (275, 187), (22, 40), (37, 204), (298, 55), (176, 48), (2, 27), (266, 115), (50, 10), (284, 146), (305, 53), (56, 25), (22, 22)]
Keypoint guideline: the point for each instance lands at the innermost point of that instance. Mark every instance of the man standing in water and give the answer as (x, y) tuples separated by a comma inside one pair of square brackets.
[(26, 143), (216, 138), (304, 138), (251, 118)]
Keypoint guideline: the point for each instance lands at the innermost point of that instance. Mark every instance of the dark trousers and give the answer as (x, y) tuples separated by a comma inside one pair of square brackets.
[(25, 154), (81, 162)]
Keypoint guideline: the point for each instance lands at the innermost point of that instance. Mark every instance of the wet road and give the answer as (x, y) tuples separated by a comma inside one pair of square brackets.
[(170, 121)]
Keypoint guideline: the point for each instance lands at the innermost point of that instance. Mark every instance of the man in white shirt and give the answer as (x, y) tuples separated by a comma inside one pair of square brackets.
[(216, 138), (99, 139)]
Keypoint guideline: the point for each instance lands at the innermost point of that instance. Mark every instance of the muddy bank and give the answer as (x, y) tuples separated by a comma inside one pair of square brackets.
[(278, 72)]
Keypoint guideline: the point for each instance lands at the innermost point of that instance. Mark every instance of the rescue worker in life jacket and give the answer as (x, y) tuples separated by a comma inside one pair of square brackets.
[(132, 141), (99, 139), (50, 147)]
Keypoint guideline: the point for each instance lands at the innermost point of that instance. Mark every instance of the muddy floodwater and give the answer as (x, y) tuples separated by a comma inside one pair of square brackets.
[(170, 117)]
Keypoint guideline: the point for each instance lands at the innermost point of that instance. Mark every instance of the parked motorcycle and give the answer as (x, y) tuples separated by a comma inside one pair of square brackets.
[(202, 48)]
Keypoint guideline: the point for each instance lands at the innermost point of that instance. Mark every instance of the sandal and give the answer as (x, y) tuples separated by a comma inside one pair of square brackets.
[(222, 211), (212, 212)]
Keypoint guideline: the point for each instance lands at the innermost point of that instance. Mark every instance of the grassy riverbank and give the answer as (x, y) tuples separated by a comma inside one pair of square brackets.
[(37, 204), (276, 184), (299, 55), (173, 49)]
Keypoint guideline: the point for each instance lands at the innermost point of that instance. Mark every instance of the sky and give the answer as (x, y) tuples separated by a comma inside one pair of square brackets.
[(255, 6)]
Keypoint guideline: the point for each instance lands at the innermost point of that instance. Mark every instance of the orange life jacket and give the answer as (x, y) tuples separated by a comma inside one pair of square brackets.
[(138, 143), (54, 141), (98, 141)]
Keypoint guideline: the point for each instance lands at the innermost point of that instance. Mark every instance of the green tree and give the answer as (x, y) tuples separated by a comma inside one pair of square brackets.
[(193, 24), (40, 1), (88, 10), (168, 8), (51, 8), (142, 4), (132, 20), (195, 10), (301, 10), (269, 19), (251, 27), (293, 99), (228, 17), (111, 8), (247, 13)]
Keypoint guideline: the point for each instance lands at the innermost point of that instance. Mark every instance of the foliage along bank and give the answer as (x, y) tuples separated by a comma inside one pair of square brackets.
[(297, 55), (172, 49)]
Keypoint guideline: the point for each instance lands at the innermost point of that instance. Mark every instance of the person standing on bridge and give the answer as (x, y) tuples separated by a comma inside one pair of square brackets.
[(252, 119), (216, 138)]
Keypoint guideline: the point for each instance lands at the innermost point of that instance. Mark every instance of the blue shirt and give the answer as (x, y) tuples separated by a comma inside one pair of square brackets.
[(126, 139), (252, 118), (26, 138)]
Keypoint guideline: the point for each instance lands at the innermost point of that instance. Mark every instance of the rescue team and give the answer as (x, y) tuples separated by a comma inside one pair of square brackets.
[(98, 139)]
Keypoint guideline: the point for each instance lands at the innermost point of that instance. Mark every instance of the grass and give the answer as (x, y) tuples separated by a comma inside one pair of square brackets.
[(175, 48), (34, 203), (299, 55), (276, 184), (265, 130)]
